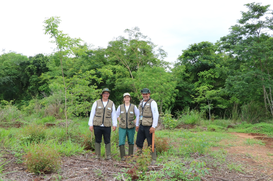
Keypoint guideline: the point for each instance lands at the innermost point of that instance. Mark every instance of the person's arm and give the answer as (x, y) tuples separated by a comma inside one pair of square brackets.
[(92, 114), (155, 113), (137, 115), (114, 117)]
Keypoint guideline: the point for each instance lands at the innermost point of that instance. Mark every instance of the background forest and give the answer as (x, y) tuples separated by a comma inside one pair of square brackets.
[(229, 79)]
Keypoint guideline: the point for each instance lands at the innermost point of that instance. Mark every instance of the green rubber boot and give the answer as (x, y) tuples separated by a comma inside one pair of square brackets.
[(153, 157), (122, 152), (108, 151), (97, 150), (131, 150)]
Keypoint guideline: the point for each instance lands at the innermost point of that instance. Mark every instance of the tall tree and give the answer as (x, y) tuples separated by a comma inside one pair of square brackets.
[(250, 45), (13, 79), (65, 46), (200, 73)]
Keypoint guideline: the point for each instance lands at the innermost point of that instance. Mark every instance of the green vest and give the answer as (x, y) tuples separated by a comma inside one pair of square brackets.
[(127, 118), (103, 114), (147, 115)]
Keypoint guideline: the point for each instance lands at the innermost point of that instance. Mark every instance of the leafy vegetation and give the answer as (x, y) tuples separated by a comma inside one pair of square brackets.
[(212, 88)]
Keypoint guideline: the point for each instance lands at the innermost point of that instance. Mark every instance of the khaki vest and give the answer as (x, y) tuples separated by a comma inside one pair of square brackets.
[(127, 119), (103, 114), (147, 119)]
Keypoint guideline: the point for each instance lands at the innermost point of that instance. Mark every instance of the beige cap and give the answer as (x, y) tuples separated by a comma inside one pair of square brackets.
[(126, 94)]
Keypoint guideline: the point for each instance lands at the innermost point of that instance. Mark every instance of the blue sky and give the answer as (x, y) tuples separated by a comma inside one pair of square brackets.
[(172, 24)]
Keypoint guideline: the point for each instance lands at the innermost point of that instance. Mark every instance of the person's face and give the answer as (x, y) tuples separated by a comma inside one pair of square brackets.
[(145, 96), (105, 95), (127, 99)]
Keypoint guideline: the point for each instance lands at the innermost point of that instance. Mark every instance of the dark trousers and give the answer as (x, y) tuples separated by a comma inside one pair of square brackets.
[(105, 131), (142, 134)]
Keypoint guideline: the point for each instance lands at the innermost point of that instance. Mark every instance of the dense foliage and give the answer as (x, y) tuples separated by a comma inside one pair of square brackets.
[(229, 79)]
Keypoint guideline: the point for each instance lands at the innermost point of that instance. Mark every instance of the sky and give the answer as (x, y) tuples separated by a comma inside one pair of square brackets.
[(172, 25)]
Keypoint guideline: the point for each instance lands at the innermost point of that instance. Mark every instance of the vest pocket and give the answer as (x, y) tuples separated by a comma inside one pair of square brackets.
[(108, 112), (99, 110)]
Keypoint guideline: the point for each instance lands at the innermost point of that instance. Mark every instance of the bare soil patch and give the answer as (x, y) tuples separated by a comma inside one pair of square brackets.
[(255, 158)]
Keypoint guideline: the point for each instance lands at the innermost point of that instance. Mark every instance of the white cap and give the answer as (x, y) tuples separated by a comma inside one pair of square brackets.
[(126, 94)]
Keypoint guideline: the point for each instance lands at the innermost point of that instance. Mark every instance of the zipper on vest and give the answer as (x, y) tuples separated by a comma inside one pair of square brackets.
[(127, 115), (104, 110)]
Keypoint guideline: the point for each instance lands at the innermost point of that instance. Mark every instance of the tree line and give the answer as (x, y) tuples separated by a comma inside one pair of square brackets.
[(231, 78)]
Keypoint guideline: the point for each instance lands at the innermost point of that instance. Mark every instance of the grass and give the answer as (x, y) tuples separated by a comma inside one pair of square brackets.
[(178, 160), (249, 141), (262, 128)]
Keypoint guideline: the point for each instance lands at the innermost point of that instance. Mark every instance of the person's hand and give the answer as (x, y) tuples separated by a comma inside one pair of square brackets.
[(137, 128), (114, 128), (91, 128), (152, 130)]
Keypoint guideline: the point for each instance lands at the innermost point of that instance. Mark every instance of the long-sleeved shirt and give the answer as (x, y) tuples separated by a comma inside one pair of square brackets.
[(93, 112), (127, 108), (155, 113)]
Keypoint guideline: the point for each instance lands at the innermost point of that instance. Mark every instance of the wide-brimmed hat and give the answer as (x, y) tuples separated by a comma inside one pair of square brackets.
[(105, 90), (145, 91)]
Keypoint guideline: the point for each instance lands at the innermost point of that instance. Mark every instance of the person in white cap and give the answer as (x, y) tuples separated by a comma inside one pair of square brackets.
[(102, 117), (128, 115)]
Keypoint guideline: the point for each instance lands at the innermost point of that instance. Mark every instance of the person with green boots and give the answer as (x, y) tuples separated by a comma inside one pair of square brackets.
[(148, 120), (126, 114), (102, 117)]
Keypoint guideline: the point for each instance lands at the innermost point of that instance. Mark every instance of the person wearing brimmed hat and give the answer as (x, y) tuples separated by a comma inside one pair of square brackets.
[(102, 117), (148, 119), (126, 114)]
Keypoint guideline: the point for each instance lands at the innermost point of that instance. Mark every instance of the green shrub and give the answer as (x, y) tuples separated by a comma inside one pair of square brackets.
[(252, 113), (139, 164), (168, 121), (41, 158), (194, 145), (34, 107), (9, 112), (33, 134), (190, 117), (48, 119)]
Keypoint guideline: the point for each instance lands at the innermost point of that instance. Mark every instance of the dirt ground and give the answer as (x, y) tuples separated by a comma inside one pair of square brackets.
[(256, 161)]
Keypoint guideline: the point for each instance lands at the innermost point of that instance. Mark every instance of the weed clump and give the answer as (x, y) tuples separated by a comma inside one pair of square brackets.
[(162, 144), (33, 134), (40, 158)]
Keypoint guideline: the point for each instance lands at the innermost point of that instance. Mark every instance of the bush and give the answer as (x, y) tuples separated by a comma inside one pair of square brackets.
[(42, 159), (9, 112), (168, 121), (34, 107), (54, 110), (252, 113), (162, 144), (33, 134), (48, 119), (190, 117)]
